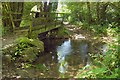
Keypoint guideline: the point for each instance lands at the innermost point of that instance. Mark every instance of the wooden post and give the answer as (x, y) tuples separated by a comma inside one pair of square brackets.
[(62, 18), (56, 19), (30, 25), (11, 18)]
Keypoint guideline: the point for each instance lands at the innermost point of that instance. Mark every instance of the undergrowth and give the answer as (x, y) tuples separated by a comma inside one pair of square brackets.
[(105, 66)]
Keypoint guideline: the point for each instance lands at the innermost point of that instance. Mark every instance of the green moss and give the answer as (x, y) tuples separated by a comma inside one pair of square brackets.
[(25, 49), (34, 34), (63, 33), (28, 54)]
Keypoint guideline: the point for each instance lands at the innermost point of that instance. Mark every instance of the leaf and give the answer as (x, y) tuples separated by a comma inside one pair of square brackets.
[(99, 70)]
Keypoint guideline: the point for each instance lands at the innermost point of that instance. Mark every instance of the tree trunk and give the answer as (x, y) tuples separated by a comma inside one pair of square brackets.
[(98, 12), (45, 8), (6, 19), (103, 12), (89, 13)]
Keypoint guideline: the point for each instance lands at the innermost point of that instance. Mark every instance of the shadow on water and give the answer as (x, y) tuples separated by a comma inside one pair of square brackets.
[(64, 56)]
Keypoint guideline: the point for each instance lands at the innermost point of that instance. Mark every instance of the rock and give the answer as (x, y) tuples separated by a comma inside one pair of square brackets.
[(37, 43), (28, 54), (25, 49)]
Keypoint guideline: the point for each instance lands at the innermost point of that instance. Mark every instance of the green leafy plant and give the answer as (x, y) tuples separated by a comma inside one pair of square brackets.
[(108, 65), (26, 49), (41, 66)]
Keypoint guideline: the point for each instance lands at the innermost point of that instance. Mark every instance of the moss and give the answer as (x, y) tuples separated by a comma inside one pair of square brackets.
[(28, 54), (25, 49), (34, 34), (22, 40), (32, 42), (63, 33)]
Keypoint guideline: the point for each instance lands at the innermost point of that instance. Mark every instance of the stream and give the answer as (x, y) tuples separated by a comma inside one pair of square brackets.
[(63, 58)]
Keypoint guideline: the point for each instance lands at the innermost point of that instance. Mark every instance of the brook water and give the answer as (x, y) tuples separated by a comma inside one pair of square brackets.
[(63, 58)]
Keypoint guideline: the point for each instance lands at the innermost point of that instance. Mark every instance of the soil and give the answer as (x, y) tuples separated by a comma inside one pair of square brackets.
[(9, 39), (79, 33)]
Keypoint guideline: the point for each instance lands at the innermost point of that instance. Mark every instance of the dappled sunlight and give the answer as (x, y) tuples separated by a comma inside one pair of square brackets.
[(6, 46), (76, 32), (60, 40), (79, 36)]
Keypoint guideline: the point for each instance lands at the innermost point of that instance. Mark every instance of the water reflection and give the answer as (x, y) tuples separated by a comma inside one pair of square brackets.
[(101, 48), (62, 51), (68, 48), (64, 57), (104, 49), (83, 47)]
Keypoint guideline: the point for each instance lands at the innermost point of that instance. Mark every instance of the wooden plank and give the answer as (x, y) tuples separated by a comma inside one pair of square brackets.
[(38, 27), (44, 22)]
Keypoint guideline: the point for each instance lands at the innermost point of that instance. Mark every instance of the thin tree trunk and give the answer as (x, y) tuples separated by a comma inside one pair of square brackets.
[(45, 8), (89, 13), (7, 19), (12, 11), (98, 12), (103, 13)]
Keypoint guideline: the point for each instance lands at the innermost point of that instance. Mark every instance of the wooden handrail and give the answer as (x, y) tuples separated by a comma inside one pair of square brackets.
[(51, 18)]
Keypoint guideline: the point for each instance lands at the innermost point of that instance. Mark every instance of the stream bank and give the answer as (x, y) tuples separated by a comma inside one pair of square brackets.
[(61, 57)]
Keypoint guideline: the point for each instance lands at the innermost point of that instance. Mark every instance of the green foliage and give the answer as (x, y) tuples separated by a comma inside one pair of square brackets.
[(31, 42), (112, 31), (26, 14), (25, 23), (41, 66), (77, 9), (103, 13), (26, 65), (28, 6), (5, 30), (20, 48), (106, 66), (63, 32), (25, 49), (99, 29)]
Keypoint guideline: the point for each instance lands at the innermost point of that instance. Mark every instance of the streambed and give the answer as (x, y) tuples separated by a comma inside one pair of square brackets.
[(61, 58)]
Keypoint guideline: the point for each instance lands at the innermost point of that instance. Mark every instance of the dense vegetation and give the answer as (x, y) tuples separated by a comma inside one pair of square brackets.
[(101, 19)]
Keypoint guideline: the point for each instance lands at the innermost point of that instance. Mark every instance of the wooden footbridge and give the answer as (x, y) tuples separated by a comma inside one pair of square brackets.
[(45, 24), (40, 26)]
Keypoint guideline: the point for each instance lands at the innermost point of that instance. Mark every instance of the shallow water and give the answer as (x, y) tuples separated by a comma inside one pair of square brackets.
[(64, 57)]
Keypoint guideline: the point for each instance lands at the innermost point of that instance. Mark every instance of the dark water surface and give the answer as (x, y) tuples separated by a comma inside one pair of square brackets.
[(64, 57)]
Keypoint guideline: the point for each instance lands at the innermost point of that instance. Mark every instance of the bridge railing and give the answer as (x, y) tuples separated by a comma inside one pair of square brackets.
[(46, 19)]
